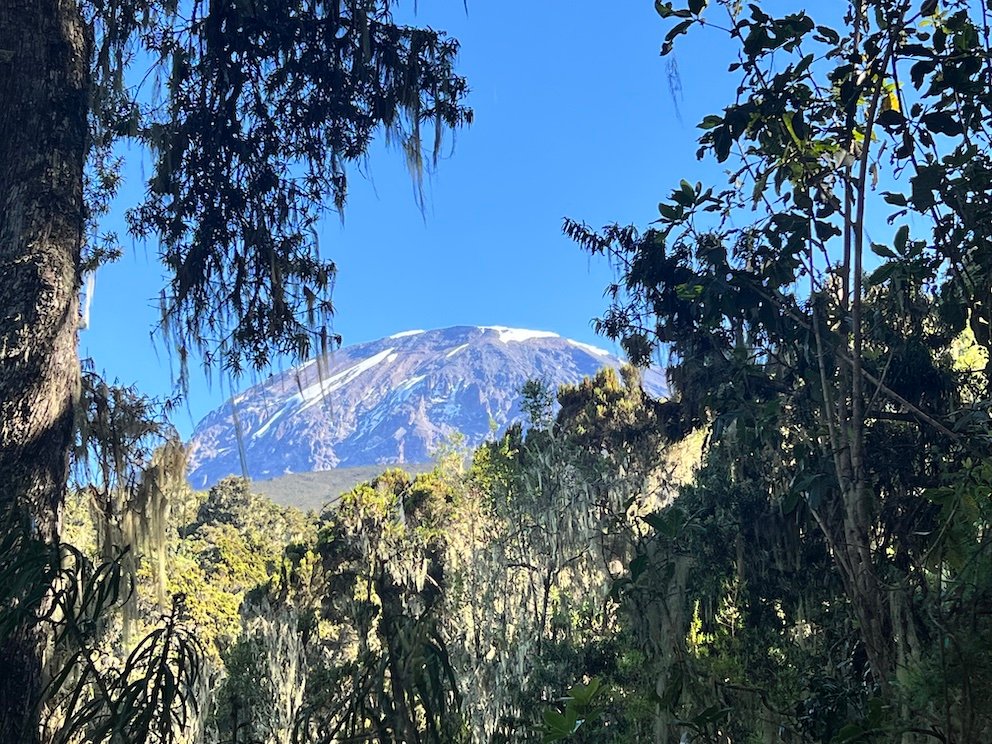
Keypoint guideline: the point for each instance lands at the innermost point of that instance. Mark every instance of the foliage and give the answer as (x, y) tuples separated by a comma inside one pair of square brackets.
[(435, 607), (821, 573), (549, 524), (579, 706), (252, 113), (107, 683), (255, 112), (146, 694), (152, 697), (823, 365), (387, 673), (112, 665)]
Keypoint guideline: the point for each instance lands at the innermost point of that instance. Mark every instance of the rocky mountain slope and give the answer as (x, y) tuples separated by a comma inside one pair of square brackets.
[(394, 400)]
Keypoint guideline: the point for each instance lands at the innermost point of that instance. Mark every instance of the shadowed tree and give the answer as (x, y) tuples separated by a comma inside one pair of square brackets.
[(799, 333), (251, 111)]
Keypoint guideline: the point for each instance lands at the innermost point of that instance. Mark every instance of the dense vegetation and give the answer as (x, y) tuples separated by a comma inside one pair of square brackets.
[(252, 115), (794, 547), (454, 605)]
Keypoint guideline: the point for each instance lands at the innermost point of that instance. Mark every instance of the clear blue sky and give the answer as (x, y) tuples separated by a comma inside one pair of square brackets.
[(574, 117)]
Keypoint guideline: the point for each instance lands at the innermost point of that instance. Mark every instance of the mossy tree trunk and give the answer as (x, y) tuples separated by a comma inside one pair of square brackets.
[(44, 81)]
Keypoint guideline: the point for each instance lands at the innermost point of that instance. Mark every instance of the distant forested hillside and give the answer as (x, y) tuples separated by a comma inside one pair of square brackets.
[(318, 489)]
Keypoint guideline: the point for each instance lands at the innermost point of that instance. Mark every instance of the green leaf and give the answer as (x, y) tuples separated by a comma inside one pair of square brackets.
[(920, 70), (583, 695), (802, 200), (883, 273), (685, 196), (922, 186), (758, 14), (891, 119), (638, 566), (827, 35), (722, 141), (663, 9), (875, 709), (711, 715), (851, 732), (689, 291), (678, 29), (902, 236), (696, 6), (787, 118), (943, 122), (556, 723), (656, 520), (790, 502), (882, 250), (825, 230), (711, 121)]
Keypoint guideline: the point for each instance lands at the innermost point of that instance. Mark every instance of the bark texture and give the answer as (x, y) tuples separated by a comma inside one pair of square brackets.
[(44, 81)]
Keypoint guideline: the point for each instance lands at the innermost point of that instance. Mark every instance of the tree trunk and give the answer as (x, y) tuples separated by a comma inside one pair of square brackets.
[(44, 85)]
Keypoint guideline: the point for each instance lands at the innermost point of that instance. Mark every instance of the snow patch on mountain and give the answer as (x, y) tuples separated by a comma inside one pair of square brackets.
[(313, 394), (590, 348), (406, 385), (404, 334), (511, 335), (268, 424)]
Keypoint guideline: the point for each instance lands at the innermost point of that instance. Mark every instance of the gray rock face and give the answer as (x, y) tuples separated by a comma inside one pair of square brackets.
[(394, 400)]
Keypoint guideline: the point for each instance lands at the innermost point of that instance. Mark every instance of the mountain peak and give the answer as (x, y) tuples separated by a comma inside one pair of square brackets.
[(392, 400)]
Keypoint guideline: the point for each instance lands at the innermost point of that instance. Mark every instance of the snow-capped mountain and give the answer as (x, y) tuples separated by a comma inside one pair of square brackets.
[(394, 400)]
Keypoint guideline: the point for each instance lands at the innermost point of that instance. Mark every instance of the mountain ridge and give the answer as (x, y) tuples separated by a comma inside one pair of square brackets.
[(393, 400)]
